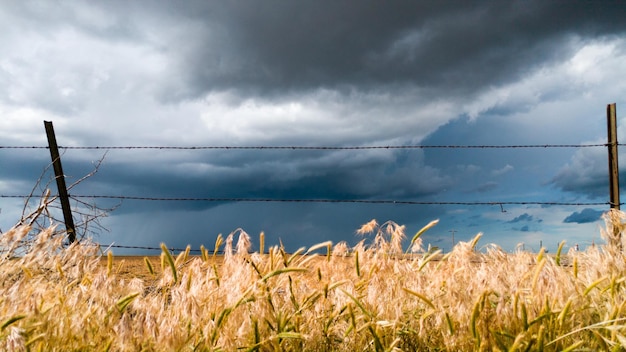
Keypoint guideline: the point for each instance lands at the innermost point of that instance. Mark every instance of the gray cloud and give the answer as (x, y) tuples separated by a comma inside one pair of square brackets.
[(584, 216), (585, 173), (456, 46), (265, 49), (275, 48), (523, 217)]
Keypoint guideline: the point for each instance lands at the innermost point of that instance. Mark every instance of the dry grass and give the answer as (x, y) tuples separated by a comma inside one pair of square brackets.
[(344, 299)]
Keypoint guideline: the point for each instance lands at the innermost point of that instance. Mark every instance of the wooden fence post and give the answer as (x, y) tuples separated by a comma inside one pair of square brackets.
[(613, 162), (60, 178), (611, 118)]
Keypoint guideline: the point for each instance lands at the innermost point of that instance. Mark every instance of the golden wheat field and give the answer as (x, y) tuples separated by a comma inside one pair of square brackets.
[(330, 297)]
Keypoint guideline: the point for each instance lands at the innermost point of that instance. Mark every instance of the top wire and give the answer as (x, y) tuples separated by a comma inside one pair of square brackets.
[(323, 147)]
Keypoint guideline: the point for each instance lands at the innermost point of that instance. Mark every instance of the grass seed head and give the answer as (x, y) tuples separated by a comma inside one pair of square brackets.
[(367, 228)]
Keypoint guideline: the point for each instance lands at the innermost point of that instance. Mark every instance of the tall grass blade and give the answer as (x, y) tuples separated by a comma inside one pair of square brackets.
[(358, 304), (564, 313), (593, 285), (282, 271), (318, 246), (122, 303), (557, 257), (377, 344), (170, 261), (149, 265), (428, 258), (109, 263), (218, 243), (450, 324), (12, 320), (420, 296), (421, 232), (261, 242)]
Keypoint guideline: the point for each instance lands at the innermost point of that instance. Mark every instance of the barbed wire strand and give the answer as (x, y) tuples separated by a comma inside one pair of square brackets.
[(318, 147), (269, 200)]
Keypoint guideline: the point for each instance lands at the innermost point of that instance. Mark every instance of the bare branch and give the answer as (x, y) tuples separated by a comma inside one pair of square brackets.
[(47, 209), (32, 192), (96, 167)]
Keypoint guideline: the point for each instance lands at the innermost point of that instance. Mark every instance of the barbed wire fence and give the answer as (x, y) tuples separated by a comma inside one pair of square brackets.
[(613, 178)]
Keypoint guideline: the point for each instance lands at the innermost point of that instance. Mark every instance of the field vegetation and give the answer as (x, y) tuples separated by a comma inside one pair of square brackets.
[(373, 297)]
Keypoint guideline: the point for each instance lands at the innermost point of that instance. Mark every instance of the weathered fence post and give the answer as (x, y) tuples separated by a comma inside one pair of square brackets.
[(613, 164), (611, 118), (60, 178)]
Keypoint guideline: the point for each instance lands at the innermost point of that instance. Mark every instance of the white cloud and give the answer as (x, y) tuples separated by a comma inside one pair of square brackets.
[(594, 62), (322, 117), (589, 73), (24, 125), (505, 169)]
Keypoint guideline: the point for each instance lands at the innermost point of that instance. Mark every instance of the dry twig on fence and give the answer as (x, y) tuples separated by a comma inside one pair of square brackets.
[(89, 214)]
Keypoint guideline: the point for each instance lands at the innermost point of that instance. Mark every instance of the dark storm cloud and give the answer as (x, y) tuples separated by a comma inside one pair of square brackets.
[(456, 48), (584, 216), (341, 175), (453, 46), (23, 165)]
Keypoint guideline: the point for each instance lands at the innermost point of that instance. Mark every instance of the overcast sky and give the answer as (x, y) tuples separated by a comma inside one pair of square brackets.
[(317, 73)]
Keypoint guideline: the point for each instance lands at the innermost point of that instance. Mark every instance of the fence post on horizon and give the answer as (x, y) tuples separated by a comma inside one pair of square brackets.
[(60, 178)]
